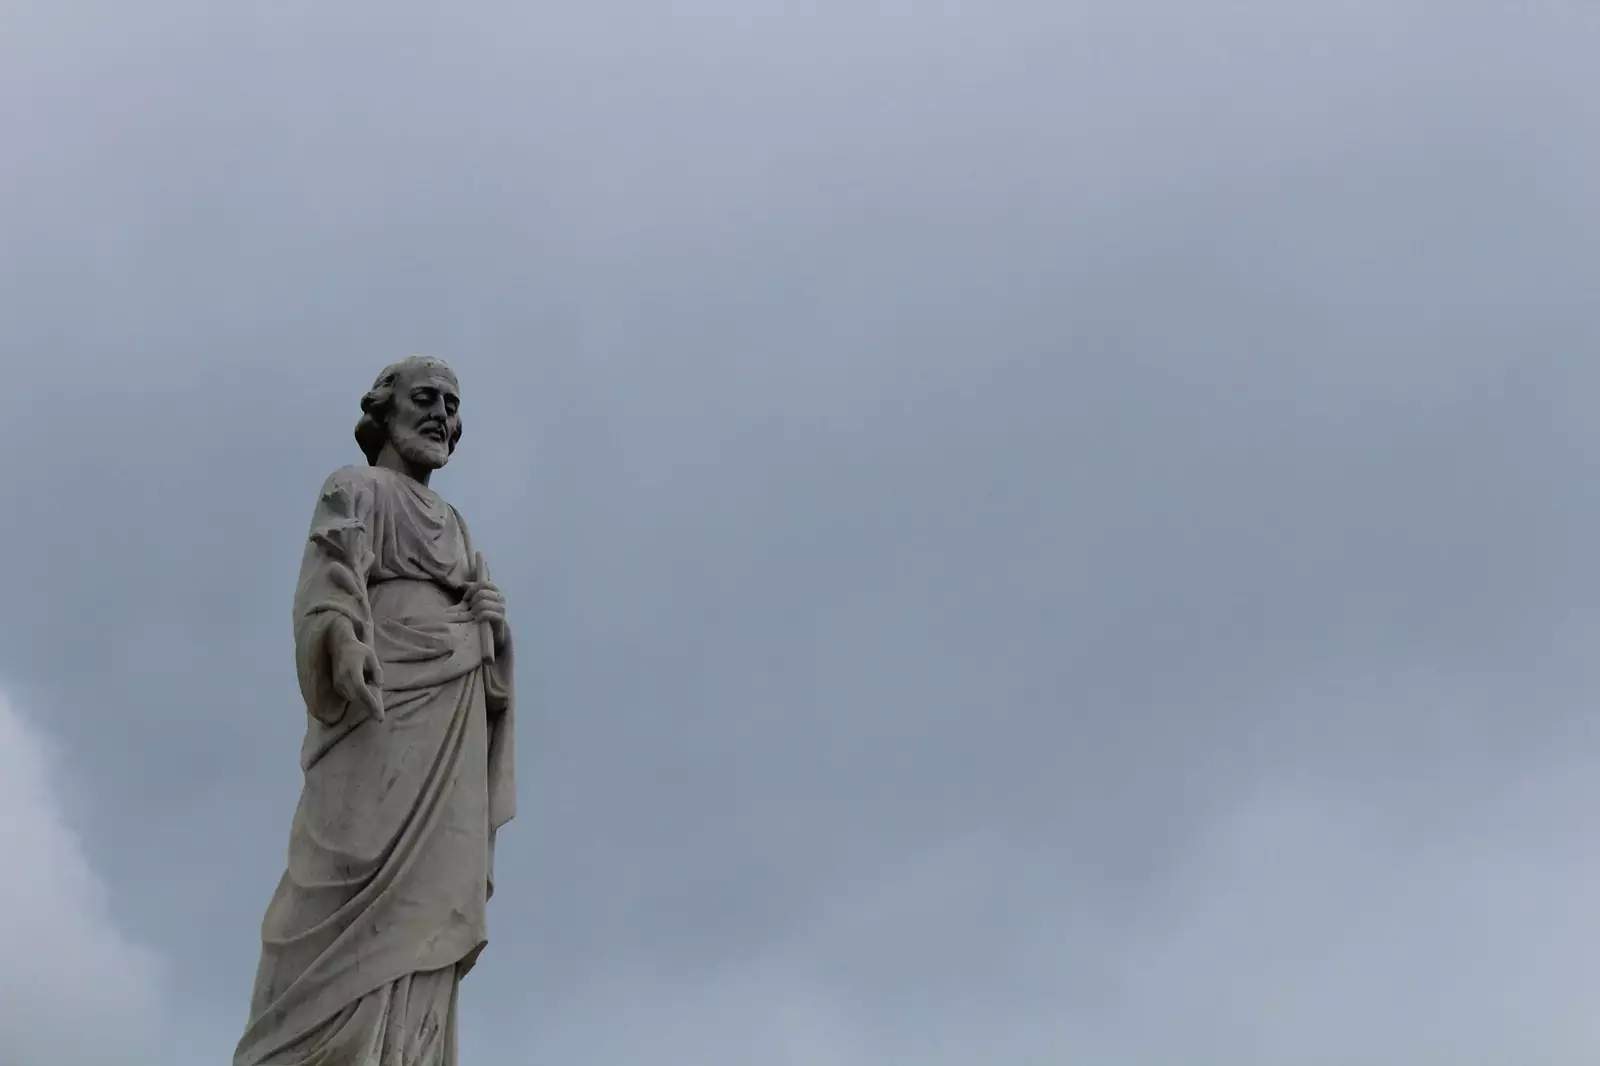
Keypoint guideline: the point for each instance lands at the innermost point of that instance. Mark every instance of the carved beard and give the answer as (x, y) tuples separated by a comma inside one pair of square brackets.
[(418, 449)]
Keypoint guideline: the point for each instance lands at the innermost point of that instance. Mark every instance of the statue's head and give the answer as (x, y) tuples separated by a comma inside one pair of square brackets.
[(415, 408)]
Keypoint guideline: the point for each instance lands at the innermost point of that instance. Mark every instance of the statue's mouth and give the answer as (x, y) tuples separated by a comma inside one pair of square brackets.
[(433, 431)]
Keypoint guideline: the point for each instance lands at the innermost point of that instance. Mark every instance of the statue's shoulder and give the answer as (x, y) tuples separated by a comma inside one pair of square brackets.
[(355, 476), (360, 484)]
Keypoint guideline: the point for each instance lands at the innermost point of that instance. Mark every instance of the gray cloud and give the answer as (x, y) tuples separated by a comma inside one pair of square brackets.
[(1044, 534)]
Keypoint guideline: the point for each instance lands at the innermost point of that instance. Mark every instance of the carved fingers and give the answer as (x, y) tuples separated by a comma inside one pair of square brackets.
[(358, 677), (486, 603)]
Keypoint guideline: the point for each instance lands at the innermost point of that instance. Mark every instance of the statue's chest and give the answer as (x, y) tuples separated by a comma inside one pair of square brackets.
[(427, 541), (452, 548), (446, 547)]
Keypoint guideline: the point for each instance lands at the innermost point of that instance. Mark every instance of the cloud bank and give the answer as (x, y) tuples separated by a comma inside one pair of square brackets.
[(73, 987)]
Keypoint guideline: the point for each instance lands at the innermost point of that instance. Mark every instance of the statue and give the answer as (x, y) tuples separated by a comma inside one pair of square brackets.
[(405, 662)]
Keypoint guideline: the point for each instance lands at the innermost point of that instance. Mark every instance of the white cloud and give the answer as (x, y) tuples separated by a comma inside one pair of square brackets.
[(73, 989)]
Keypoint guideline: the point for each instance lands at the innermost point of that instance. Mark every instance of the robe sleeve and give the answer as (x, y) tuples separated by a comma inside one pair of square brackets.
[(500, 704), (333, 585), (500, 689), (500, 698)]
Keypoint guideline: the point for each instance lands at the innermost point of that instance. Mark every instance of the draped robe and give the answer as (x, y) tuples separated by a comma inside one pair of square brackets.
[(381, 910)]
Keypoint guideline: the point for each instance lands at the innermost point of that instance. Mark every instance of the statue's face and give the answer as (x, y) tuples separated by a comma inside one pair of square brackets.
[(425, 416)]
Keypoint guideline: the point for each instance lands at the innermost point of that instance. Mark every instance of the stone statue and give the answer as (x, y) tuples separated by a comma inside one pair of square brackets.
[(404, 659)]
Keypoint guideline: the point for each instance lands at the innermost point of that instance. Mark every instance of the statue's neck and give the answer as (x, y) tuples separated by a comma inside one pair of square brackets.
[(391, 459)]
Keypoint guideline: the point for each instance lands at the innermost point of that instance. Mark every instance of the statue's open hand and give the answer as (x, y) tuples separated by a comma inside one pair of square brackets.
[(358, 677)]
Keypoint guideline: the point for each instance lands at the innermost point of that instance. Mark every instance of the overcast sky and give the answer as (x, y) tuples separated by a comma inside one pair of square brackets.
[(1040, 534)]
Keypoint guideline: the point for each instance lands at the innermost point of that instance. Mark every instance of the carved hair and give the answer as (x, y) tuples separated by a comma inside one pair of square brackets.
[(372, 430)]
